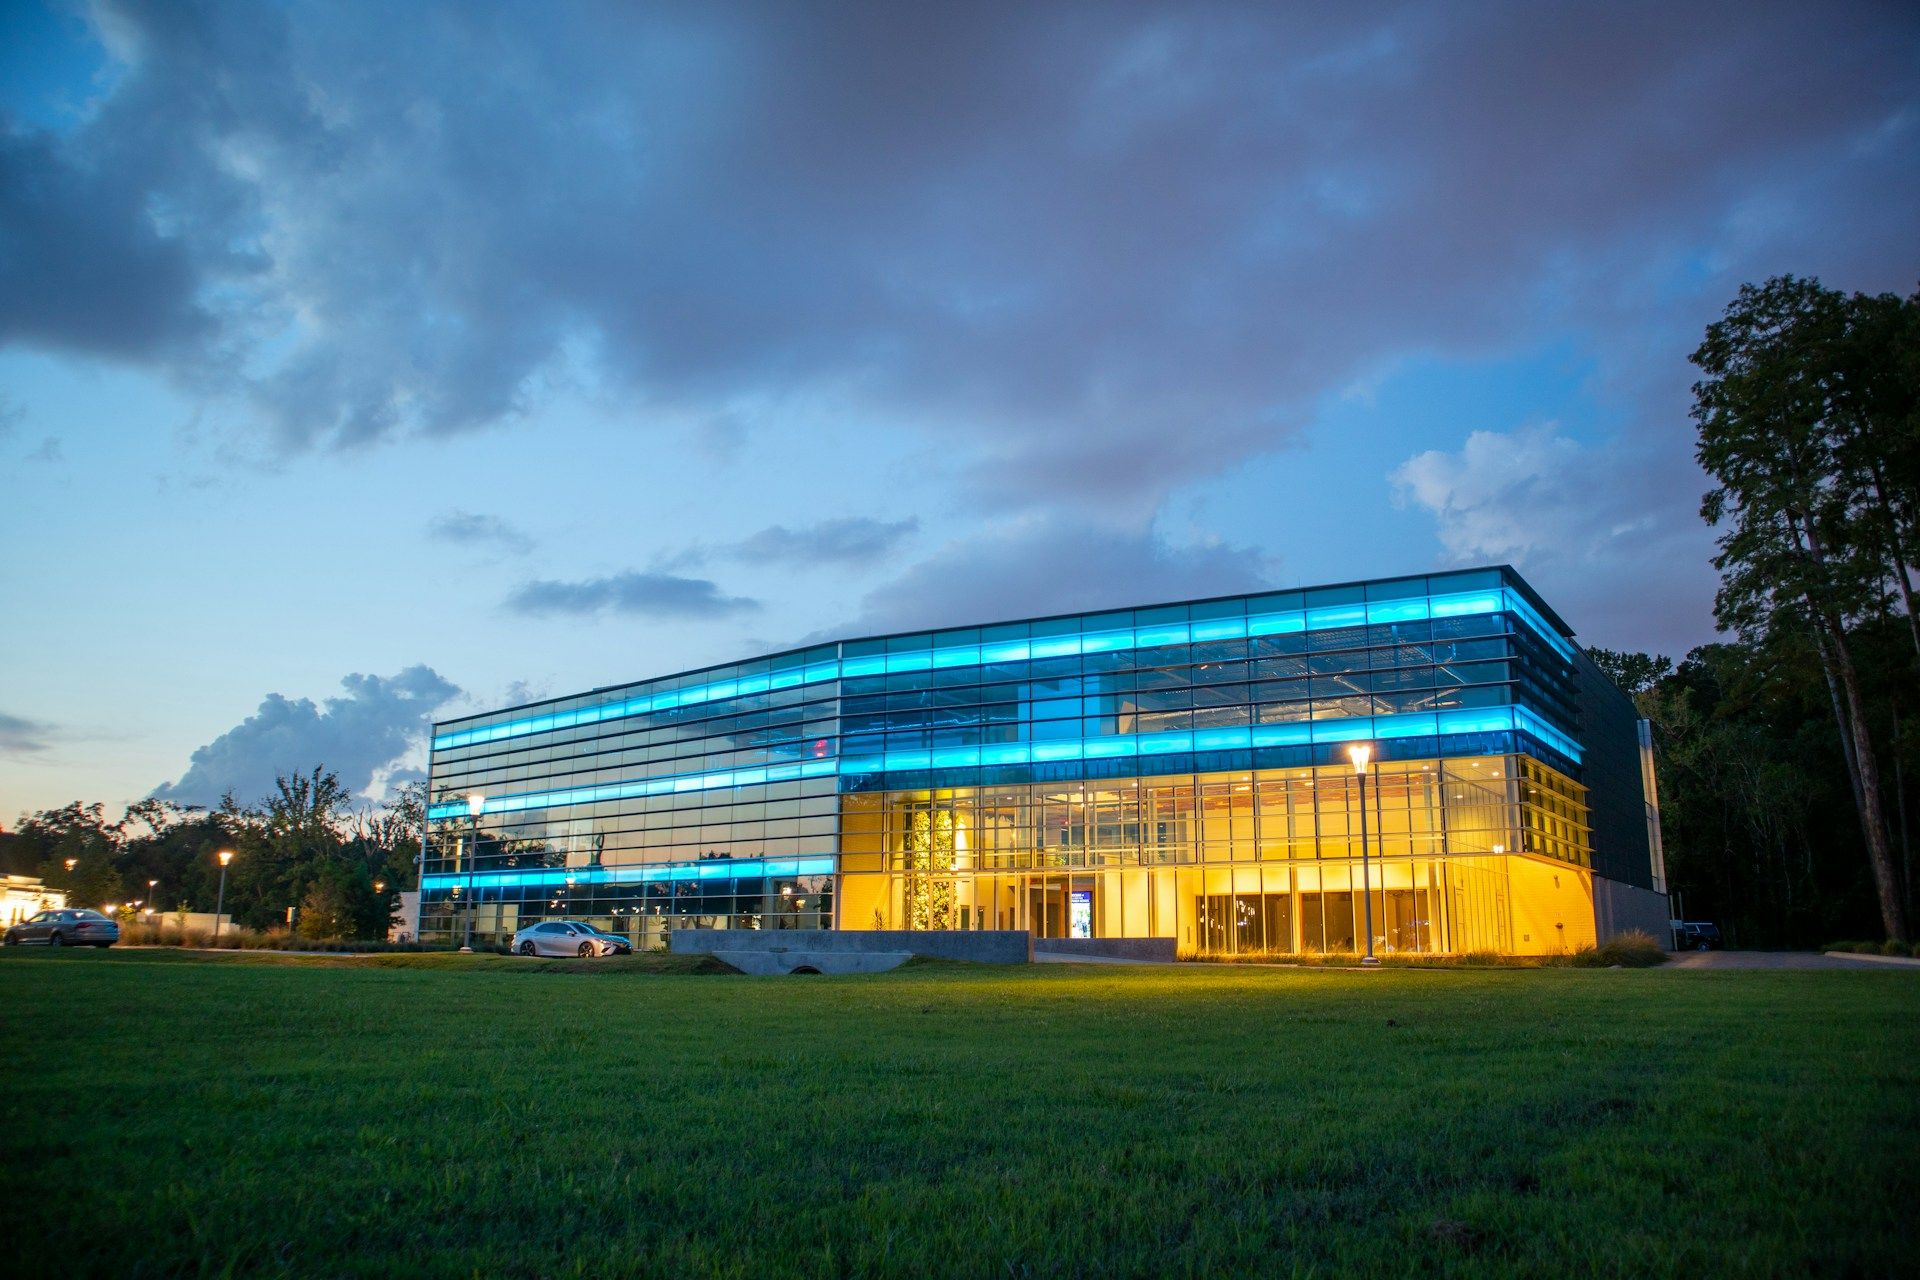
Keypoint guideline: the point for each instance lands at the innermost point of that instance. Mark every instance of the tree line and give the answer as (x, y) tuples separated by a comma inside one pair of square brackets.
[(1786, 753), (305, 845)]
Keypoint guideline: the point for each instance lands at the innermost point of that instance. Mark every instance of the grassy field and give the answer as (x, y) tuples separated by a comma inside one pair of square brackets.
[(252, 1115)]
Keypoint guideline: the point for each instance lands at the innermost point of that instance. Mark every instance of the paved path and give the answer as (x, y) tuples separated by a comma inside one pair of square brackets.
[(1783, 960)]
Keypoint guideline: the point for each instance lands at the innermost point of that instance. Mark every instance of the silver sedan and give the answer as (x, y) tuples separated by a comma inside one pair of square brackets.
[(64, 928), (568, 938)]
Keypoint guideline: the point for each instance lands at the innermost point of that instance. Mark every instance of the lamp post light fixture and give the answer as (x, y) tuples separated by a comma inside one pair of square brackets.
[(476, 805), (1361, 753), (220, 904)]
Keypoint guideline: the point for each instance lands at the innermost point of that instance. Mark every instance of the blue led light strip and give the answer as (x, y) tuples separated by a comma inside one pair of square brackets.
[(1460, 604), (713, 869), (1411, 724), (667, 785)]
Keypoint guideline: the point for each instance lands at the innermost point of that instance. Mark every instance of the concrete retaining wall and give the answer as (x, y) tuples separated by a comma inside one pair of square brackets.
[(991, 946), (1156, 949), (1619, 907)]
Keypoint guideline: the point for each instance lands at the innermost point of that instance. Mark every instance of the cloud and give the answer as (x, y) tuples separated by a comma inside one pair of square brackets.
[(658, 595), (359, 735), (1608, 534), (1097, 252), (848, 540), (48, 450), (21, 736), (83, 265), (470, 529), (1502, 497), (1033, 567)]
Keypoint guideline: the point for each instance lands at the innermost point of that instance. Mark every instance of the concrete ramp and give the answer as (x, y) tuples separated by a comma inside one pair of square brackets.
[(784, 951), (773, 964)]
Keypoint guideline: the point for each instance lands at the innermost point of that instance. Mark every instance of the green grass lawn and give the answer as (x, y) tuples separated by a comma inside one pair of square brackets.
[(249, 1115)]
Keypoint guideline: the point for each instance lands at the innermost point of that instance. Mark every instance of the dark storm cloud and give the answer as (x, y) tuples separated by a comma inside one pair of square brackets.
[(21, 736), (376, 721), (82, 265), (1105, 250), (659, 595), (470, 529)]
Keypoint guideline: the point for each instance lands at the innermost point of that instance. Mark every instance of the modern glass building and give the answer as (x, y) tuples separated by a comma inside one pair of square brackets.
[(1179, 770)]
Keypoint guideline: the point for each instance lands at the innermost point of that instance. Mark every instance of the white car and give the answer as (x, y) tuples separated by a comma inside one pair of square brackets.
[(568, 938)]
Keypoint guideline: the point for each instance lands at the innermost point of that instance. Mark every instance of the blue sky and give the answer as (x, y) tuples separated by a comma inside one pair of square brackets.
[(360, 364)]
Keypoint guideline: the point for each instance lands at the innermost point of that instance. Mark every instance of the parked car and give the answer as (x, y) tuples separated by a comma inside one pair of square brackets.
[(1698, 935), (67, 927), (569, 938)]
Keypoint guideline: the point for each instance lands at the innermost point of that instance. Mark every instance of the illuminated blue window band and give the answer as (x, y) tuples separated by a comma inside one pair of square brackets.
[(1412, 724), (712, 869), (1381, 612)]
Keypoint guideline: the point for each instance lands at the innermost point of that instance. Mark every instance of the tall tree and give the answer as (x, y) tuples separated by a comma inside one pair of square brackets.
[(1634, 673), (1871, 363), (1798, 554)]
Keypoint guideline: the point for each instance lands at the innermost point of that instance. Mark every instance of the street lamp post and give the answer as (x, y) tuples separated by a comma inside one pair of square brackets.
[(220, 904), (1361, 754), (476, 804)]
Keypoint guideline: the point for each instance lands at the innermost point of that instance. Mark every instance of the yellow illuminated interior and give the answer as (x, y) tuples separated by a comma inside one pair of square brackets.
[(1489, 853)]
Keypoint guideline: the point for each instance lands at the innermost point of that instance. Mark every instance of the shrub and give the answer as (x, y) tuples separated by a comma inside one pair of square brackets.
[(1892, 948), (1630, 950), (235, 938)]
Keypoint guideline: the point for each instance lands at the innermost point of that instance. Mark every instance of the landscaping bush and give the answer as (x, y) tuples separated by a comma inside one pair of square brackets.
[(235, 938), (1387, 959), (1630, 950), (1889, 948)]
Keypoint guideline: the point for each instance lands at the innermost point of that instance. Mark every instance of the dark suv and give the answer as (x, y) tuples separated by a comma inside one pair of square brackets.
[(1698, 935)]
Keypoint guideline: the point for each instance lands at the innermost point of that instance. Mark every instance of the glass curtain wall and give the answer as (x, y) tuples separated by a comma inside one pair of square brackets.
[(1258, 861), (1031, 771)]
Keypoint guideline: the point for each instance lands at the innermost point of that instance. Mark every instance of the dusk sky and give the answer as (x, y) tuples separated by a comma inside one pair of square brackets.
[(366, 363)]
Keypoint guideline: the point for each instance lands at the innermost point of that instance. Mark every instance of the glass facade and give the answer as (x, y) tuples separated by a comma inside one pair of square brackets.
[(1175, 771)]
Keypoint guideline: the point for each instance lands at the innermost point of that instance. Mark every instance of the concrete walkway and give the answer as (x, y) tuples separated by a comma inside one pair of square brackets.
[(1785, 960)]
